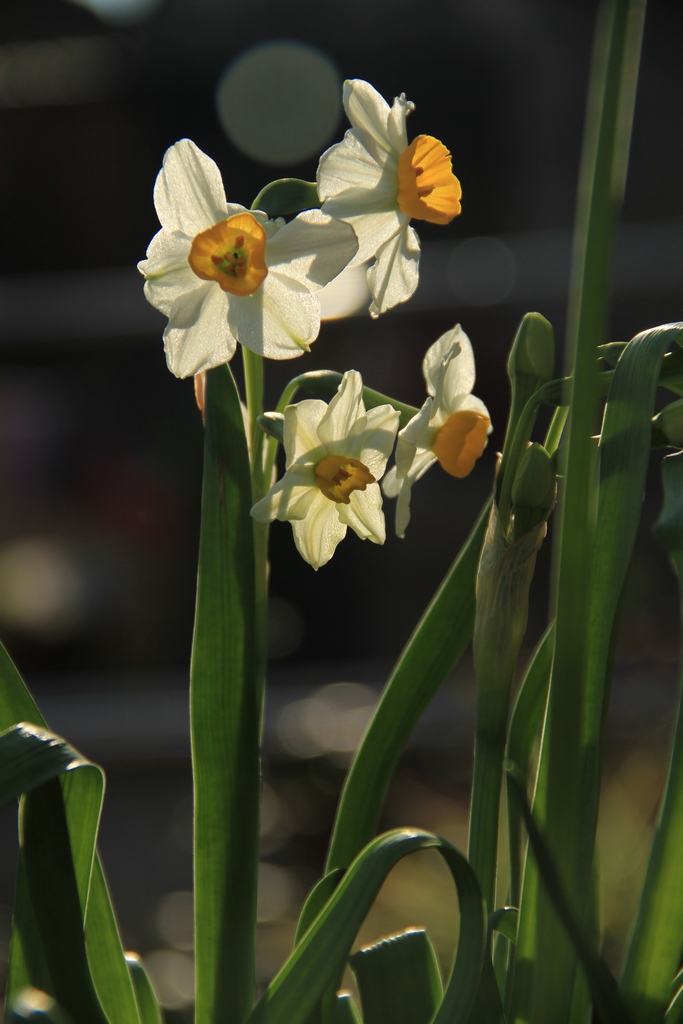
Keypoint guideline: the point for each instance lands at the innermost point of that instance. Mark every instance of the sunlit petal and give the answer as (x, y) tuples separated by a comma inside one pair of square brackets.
[(197, 336)]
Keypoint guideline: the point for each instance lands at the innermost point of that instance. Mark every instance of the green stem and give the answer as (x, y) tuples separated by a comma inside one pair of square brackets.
[(261, 474), (487, 776), (546, 962)]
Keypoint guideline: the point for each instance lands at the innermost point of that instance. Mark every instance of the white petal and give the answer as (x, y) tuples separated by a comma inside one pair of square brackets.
[(470, 403), (168, 251), (396, 123), (373, 228), (421, 462), (364, 514), (289, 498), (313, 247), (394, 277), (349, 170), (378, 438), (391, 484), (317, 536), (189, 194), (163, 292), (368, 112), (197, 336), (342, 414), (302, 443), (460, 372), (417, 431), (436, 353), (279, 321)]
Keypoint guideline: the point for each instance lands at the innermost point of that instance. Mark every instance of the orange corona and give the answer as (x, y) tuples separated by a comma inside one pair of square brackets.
[(427, 187), (461, 441), (232, 253), (337, 476)]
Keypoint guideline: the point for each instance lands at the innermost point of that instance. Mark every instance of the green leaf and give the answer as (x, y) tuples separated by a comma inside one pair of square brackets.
[(287, 196), (602, 985), (572, 746), (30, 756), (317, 898), (105, 953), (224, 717), (345, 1011), (523, 734), (432, 651), (319, 957), (656, 942), (398, 979), (57, 855), (674, 1013), (504, 921), (148, 1007), (54, 892)]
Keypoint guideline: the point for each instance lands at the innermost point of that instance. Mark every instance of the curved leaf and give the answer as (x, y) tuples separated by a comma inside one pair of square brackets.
[(398, 979), (148, 1007), (320, 955), (105, 953), (58, 853)]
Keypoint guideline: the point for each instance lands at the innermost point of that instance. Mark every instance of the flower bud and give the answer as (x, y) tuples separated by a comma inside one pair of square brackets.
[(533, 350), (533, 490), (670, 423)]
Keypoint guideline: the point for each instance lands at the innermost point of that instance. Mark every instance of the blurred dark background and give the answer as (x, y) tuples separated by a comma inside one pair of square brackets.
[(101, 448)]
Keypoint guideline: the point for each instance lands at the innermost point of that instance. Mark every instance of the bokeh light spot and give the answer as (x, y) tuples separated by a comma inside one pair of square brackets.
[(172, 975), (482, 271), (280, 102)]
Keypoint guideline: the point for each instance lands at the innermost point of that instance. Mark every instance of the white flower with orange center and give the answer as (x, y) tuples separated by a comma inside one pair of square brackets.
[(452, 427), (335, 455), (377, 182), (224, 274)]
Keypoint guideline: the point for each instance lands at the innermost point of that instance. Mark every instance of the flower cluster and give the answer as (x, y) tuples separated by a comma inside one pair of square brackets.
[(224, 274), (337, 453)]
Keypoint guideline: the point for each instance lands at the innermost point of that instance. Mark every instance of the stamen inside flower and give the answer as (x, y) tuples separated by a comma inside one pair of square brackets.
[(337, 476), (232, 253), (461, 441), (427, 187)]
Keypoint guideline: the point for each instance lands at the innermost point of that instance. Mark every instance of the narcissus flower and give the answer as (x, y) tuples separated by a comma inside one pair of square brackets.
[(452, 426), (335, 454), (224, 274), (377, 182)]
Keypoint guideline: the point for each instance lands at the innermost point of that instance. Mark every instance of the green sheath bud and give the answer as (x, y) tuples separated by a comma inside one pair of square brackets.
[(273, 423), (533, 350), (670, 422), (533, 490)]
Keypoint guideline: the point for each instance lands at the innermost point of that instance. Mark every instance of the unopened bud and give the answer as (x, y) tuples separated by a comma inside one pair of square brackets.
[(670, 423), (533, 350), (533, 491)]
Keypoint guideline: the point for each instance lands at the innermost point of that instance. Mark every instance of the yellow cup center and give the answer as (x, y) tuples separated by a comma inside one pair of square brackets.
[(337, 476), (232, 253), (427, 187), (461, 441)]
